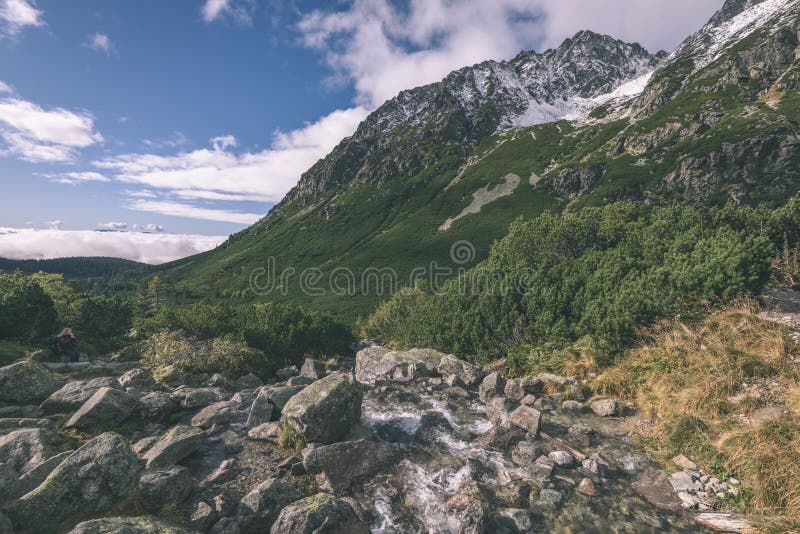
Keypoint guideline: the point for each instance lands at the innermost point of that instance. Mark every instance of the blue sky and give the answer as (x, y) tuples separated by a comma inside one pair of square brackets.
[(195, 116)]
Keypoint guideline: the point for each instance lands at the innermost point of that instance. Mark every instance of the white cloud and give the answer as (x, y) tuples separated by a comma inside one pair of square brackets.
[(261, 176), (176, 140), (23, 243), (382, 49), (15, 15), (178, 209), (100, 42), (35, 134), (5, 88), (55, 224), (113, 226), (241, 11), (74, 178)]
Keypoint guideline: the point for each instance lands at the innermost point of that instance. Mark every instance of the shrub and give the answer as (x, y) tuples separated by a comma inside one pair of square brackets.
[(26, 312), (100, 316), (600, 272), (10, 352), (200, 356)]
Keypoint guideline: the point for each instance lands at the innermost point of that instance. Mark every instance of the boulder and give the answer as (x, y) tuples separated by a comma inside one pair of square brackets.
[(20, 485), (278, 396), (286, 373), (176, 444), (137, 379), (22, 450), (266, 432), (375, 364), (164, 487), (299, 381), (26, 382), (18, 423), (326, 410), (128, 525), (561, 458), (319, 513), (104, 410), (335, 466), (197, 397), (519, 388), (158, 405), (260, 507), (73, 394), (89, 481), (202, 516), (525, 453), (227, 470), (449, 365), (226, 525), (248, 381), (497, 409), (526, 418), (262, 410), (604, 407), (218, 413), (313, 369), (493, 385)]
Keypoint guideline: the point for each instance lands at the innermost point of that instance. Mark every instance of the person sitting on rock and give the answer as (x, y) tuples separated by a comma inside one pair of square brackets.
[(66, 343)]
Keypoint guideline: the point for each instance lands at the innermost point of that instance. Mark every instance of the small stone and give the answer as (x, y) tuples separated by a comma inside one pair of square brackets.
[(549, 497), (604, 407), (497, 409), (218, 413), (683, 482), (587, 487), (136, 379), (684, 463), (545, 404), (688, 501), (561, 458), (573, 406), (265, 432), (543, 467), (526, 418), (528, 400), (227, 470)]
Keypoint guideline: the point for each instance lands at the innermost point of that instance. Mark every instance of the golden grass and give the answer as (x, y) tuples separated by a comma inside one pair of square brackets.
[(689, 379)]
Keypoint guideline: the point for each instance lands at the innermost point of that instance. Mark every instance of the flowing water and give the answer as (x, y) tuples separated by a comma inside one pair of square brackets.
[(435, 432)]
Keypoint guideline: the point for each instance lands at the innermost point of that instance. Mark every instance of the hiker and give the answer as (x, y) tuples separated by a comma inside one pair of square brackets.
[(66, 343)]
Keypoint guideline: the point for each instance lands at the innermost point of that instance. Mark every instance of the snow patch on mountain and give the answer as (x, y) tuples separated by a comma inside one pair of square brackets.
[(710, 42)]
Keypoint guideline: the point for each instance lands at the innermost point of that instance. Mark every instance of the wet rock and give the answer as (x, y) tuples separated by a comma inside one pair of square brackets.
[(449, 365), (176, 444), (26, 382), (197, 397), (137, 379), (319, 513), (22, 450), (91, 480), (218, 413), (266, 432), (561, 458), (326, 410), (260, 507), (542, 467), (380, 364), (158, 405), (587, 487), (498, 408), (72, 395), (526, 418), (313, 369), (521, 519), (202, 516), (493, 385), (549, 498), (502, 436), (525, 453), (515, 494), (336, 466), (468, 493), (227, 470), (474, 519), (105, 410), (164, 487), (604, 407), (128, 525), (169, 375)]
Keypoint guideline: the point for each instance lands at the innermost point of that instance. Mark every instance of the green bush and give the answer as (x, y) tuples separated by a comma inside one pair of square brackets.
[(10, 352), (26, 312), (599, 272), (99, 316), (200, 356), (286, 333)]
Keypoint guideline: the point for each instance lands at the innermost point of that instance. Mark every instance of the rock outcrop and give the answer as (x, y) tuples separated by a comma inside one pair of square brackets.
[(26, 382), (326, 410)]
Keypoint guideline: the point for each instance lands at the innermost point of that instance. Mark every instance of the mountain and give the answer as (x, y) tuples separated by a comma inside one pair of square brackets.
[(75, 267), (592, 121)]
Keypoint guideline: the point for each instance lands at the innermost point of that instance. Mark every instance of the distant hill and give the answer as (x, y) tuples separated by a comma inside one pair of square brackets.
[(76, 267)]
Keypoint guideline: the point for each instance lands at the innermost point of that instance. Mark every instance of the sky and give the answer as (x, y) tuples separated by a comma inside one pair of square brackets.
[(170, 125)]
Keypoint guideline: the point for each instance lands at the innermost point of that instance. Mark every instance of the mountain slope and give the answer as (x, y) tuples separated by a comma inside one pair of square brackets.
[(584, 124)]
